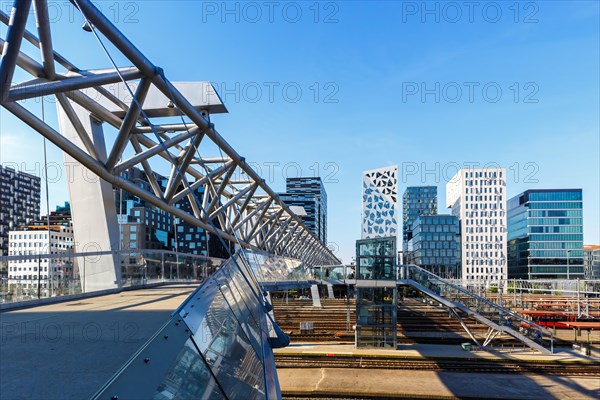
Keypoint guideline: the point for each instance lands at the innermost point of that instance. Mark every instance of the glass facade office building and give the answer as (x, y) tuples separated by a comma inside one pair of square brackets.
[(19, 202), (545, 234), (591, 261), (376, 292), (435, 244), (416, 201), (144, 226), (309, 193), (190, 238)]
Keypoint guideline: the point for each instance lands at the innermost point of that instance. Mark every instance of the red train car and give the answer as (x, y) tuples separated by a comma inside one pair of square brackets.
[(553, 319)]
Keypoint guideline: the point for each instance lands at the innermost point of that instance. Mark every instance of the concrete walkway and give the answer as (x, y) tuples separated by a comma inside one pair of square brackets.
[(432, 351), (433, 385), (69, 350), (373, 383)]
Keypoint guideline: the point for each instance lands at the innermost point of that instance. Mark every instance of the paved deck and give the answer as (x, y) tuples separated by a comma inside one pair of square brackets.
[(432, 351), (429, 384), (433, 384), (69, 350)]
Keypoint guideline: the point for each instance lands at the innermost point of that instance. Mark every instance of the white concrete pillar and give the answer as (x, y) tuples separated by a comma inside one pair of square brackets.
[(93, 207)]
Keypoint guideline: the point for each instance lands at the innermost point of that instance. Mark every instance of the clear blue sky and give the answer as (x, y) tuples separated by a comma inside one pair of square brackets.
[(371, 62)]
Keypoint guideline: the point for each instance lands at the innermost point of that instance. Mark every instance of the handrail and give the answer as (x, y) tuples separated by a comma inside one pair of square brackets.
[(413, 269), (481, 299)]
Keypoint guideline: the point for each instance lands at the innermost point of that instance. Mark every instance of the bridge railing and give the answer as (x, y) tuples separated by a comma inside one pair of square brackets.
[(216, 345), (485, 307), (574, 296), (280, 273), (34, 276)]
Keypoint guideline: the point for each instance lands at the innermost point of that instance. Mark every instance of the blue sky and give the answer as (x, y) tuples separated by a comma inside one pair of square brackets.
[(336, 88)]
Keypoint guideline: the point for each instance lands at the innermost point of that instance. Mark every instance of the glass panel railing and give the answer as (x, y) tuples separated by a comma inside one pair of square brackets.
[(333, 272), (36, 276), (230, 354), (188, 378), (277, 269), (216, 345)]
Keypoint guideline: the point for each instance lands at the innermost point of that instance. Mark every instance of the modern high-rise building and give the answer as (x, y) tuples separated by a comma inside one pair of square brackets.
[(435, 244), (26, 273), (416, 201), (545, 234), (380, 198), (19, 202), (142, 225), (477, 197), (591, 261), (189, 238), (309, 193)]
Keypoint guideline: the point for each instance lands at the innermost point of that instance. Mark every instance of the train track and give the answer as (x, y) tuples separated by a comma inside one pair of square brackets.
[(478, 366), (417, 322), (401, 340)]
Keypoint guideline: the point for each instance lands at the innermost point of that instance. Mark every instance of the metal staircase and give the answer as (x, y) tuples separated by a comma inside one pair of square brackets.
[(461, 301)]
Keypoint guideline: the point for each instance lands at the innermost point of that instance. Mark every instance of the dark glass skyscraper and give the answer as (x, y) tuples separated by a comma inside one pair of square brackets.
[(545, 234), (435, 244), (309, 193), (144, 226), (416, 201), (19, 202)]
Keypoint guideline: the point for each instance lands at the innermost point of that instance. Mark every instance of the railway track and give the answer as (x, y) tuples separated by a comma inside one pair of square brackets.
[(476, 366), (418, 322), (328, 338)]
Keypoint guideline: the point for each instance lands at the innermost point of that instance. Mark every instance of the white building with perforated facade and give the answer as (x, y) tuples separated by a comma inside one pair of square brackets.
[(380, 203)]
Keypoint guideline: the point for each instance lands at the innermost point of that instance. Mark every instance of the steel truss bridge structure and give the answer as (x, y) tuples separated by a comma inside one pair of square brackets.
[(155, 119), (218, 344)]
